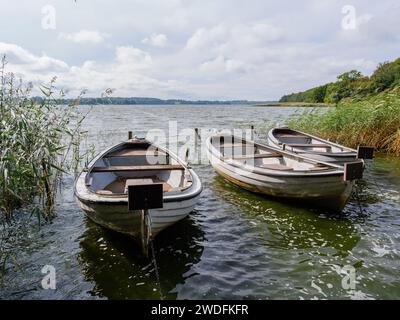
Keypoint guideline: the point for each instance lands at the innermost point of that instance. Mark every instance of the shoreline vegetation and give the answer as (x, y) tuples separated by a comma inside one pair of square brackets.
[(366, 111), (296, 104), (39, 141)]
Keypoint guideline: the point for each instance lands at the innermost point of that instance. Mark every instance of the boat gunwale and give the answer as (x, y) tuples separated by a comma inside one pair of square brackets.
[(349, 151), (271, 172), (122, 199)]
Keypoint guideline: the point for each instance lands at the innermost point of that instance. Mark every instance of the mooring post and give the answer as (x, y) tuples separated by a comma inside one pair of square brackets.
[(252, 133), (196, 138), (130, 135)]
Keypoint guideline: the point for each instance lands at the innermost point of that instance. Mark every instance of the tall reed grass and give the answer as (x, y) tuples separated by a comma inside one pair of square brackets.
[(39, 141), (373, 121)]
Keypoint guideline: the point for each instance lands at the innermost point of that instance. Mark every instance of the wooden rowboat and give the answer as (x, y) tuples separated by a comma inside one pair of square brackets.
[(102, 190), (271, 171), (314, 147)]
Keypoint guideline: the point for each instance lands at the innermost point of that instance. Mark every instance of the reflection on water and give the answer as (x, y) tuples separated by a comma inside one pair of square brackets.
[(115, 264), (289, 226), (236, 245)]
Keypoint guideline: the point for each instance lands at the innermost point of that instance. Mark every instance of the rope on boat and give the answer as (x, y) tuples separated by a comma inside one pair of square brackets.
[(153, 256), (376, 184), (358, 196), (145, 231), (156, 269), (358, 200), (197, 134)]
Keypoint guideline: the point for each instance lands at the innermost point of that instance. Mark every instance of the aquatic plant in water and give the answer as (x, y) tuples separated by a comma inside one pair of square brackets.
[(39, 141), (373, 120)]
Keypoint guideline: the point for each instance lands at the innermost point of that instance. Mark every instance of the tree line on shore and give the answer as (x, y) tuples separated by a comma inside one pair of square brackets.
[(352, 84), (150, 101)]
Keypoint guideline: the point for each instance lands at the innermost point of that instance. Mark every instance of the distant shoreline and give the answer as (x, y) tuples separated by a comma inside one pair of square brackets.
[(294, 104), (153, 101)]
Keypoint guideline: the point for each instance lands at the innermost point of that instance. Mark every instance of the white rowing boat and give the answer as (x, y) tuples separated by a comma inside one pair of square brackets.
[(310, 146), (101, 190), (274, 172)]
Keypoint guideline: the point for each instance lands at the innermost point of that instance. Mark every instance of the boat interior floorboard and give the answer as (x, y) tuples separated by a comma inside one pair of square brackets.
[(119, 184)]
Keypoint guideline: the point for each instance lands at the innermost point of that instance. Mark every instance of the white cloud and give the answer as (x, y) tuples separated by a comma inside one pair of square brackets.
[(156, 40), (221, 65), (127, 72), (224, 49), (205, 37), (133, 58), (258, 34), (17, 56), (84, 36)]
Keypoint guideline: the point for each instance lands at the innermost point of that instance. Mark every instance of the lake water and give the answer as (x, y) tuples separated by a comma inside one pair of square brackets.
[(235, 245)]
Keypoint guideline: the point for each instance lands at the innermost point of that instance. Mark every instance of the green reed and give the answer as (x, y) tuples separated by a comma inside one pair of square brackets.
[(39, 141), (373, 121)]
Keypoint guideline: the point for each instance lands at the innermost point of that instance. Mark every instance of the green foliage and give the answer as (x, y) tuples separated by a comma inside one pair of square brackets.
[(347, 85), (318, 94), (352, 84), (37, 139), (373, 121), (314, 95), (387, 75), (350, 76)]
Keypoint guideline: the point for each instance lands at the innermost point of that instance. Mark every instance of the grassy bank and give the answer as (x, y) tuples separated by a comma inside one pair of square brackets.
[(373, 121), (294, 104)]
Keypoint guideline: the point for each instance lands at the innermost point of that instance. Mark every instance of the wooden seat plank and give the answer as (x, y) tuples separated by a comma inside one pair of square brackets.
[(235, 145), (139, 168), (256, 156), (276, 166), (311, 145), (135, 152), (288, 135)]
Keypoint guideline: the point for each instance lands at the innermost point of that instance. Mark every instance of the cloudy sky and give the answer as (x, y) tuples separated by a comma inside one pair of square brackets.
[(196, 49)]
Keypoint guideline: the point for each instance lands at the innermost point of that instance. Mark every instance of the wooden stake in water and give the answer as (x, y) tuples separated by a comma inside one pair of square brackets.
[(196, 135), (130, 135)]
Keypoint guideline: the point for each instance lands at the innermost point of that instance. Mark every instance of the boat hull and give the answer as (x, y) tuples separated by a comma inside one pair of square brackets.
[(117, 217), (339, 158), (111, 211), (323, 191)]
